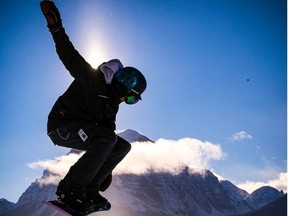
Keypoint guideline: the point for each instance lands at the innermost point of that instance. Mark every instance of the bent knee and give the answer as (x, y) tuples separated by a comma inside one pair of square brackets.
[(105, 136), (123, 144), (110, 138)]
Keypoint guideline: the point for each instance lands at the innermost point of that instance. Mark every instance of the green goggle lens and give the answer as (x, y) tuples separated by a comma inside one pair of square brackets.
[(131, 99)]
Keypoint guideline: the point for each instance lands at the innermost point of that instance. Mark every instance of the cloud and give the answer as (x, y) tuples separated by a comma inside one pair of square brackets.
[(169, 155), (240, 136), (56, 168), (163, 155), (279, 183)]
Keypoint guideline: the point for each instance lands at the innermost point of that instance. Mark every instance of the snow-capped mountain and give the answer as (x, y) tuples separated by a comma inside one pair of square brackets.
[(166, 194), (236, 196), (261, 196), (188, 192), (5, 205), (277, 207), (152, 194), (133, 136)]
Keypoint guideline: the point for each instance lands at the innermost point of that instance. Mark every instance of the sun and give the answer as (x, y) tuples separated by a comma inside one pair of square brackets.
[(94, 54), (92, 41), (94, 58), (94, 50)]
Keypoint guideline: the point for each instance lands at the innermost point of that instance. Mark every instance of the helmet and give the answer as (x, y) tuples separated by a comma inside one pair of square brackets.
[(132, 79)]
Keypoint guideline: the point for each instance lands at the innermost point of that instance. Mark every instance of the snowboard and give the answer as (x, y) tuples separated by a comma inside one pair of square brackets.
[(68, 211)]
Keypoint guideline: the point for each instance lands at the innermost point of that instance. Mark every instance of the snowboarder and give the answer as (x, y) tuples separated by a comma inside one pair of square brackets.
[(84, 118)]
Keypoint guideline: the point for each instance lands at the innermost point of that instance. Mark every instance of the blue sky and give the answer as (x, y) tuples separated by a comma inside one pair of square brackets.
[(214, 69)]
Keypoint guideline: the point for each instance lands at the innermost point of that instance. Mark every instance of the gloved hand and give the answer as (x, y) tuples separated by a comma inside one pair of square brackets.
[(52, 15)]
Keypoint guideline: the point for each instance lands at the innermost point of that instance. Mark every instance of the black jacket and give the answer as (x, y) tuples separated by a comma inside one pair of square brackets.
[(88, 98)]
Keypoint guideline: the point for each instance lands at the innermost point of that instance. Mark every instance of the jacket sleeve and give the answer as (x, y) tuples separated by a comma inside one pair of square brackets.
[(78, 67)]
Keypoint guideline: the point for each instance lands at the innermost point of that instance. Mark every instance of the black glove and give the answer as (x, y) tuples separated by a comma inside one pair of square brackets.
[(52, 15)]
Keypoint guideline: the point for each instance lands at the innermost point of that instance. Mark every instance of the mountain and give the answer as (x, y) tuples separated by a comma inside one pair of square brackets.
[(133, 136), (190, 192), (167, 194), (186, 193), (277, 208), (261, 196), (236, 196), (5, 205)]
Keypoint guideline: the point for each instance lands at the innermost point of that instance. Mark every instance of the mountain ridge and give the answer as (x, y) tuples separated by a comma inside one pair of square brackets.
[(165, 194), (187, 192)]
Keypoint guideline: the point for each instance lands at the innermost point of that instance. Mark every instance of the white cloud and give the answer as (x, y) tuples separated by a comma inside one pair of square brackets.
[(53, 179), (57, 167), (169, 155), (166, 155), (240, 136), (279, 183)]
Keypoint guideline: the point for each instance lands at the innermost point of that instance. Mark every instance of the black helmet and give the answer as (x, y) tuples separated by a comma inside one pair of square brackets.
[(132, 79)]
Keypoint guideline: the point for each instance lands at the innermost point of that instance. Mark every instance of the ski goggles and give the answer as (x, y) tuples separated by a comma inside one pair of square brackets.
[(132, 97)]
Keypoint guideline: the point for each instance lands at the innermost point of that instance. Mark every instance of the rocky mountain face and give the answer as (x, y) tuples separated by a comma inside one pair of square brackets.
[(166, 194), (277, 207), (155, 194), (132, 136), (262, 196), (5, 205), (186, 193)]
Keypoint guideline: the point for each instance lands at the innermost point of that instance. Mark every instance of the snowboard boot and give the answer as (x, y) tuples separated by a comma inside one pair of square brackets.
[(74, 197), (100, 202)]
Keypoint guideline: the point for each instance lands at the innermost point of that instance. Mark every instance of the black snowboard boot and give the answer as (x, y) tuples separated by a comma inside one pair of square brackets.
[(99, 201), (74, 197)]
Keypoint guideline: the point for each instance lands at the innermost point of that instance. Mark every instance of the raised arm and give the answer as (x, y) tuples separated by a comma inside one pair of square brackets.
[(78, 67)]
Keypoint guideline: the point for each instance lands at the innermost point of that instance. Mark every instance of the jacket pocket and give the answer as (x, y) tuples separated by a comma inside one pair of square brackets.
[(60, 135)]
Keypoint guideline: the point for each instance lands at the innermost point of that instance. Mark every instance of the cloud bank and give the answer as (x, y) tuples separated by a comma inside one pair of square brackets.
[(169, 155), (163, 155)]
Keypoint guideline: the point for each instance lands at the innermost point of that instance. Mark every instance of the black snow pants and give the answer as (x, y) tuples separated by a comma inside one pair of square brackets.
[(104, 150)]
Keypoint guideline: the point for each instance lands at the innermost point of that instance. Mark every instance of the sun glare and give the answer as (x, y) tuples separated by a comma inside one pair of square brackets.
[(92, 36), (94, 57), (94, 53)]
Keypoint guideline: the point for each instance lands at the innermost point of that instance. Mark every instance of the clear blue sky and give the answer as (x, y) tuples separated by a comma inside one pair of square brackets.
[(214, 68)]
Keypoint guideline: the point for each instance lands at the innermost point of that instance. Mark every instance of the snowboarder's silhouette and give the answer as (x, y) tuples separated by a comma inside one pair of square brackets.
[(84, 118)]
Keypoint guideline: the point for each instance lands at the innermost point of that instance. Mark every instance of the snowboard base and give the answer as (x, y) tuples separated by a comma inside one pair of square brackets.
[(68, 211)]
